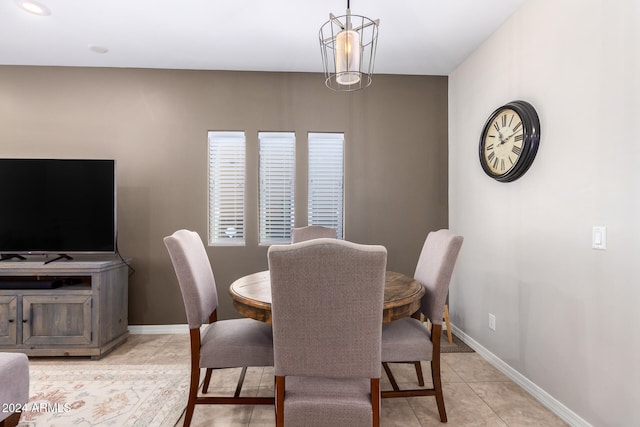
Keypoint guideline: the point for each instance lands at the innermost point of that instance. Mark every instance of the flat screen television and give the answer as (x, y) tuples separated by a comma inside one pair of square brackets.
[(61, 206)]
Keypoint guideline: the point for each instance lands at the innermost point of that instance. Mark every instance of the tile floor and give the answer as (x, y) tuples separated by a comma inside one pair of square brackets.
[(475, 393)]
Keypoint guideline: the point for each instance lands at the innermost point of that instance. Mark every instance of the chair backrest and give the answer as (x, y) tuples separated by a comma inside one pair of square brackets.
[(195, 276), (327, 300), (434, 270), (312, 232)]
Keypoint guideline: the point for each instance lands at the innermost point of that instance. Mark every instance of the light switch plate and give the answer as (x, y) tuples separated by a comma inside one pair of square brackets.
[(599, 238)]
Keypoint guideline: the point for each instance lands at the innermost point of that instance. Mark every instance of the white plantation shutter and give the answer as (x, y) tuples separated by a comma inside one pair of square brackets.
[(226, 188), (326, 181), (277, 179)]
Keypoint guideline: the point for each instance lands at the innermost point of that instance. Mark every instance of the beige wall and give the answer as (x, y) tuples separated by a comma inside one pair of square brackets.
[(566, 314), (155, 123)]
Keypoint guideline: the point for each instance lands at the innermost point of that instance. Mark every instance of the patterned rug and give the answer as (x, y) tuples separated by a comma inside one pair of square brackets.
[(105, 395)]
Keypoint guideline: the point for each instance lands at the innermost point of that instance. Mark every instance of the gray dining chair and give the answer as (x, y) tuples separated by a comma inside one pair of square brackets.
[(309, 232), (222, 343), (408, 340), (327, 300)]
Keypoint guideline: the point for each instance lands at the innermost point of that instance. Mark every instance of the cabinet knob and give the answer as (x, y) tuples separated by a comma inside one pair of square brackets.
[(25, 320), (11, 320)]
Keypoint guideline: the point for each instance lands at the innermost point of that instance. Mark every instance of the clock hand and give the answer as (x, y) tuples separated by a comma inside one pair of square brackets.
[(505, 139)]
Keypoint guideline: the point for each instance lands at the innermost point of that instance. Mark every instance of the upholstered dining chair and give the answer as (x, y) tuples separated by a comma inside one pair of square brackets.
[(223, 343), (326, 302), (309, 232), (408, 340)]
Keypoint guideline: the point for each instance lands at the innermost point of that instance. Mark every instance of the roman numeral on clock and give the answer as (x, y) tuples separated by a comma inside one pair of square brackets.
[(516, 150), (516, 127)]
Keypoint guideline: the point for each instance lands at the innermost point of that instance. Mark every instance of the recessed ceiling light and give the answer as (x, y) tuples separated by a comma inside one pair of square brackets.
[(34, 7), (98, 49)]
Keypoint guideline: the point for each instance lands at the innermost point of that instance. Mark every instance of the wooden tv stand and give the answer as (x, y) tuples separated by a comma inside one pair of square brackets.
[(65, 308)]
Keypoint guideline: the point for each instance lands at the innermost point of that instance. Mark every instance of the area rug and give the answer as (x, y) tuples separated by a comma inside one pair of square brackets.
[(64, 395), (458, 346)]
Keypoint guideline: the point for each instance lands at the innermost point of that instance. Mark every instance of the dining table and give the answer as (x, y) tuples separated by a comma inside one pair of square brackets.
[(251, 296)]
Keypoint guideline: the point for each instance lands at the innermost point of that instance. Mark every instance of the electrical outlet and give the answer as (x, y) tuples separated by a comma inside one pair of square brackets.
[(492, 322)]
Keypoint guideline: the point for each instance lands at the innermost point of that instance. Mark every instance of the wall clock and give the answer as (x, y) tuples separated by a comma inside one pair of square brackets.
[(509, 141)]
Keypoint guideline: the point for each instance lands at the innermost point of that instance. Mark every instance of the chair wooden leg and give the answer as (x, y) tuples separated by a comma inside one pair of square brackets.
[(418, 367), (207, 380), (240, 382), (279, 401), (193, 392), (213, 317), (437, 385), (375, 401), (448, 323), (11, 421), (392, 379), (435, 372), (194, 335)]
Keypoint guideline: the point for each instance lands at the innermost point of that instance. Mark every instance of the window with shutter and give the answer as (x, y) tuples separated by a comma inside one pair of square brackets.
[(326, 181), (226, 188), (277, 186)]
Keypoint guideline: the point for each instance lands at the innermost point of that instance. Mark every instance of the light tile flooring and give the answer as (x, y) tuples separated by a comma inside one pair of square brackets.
[(475, 393)]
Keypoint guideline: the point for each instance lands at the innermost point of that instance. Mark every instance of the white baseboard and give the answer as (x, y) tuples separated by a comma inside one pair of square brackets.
[(566, 414), (158, 329)]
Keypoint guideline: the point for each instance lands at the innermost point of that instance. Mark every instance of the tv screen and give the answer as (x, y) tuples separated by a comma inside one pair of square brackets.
[(57, 206)]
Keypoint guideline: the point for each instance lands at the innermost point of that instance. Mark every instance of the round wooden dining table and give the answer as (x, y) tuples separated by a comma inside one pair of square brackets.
[(252, 296)]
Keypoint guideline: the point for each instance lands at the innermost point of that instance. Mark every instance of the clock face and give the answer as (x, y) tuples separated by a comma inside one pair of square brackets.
[(509, 141), (503, 142)]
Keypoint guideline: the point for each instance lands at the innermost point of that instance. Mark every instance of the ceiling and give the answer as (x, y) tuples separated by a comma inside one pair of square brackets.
[(424, 37)]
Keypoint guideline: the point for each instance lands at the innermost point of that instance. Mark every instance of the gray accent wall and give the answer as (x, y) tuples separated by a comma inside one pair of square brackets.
[(155, 123), (566, 315)]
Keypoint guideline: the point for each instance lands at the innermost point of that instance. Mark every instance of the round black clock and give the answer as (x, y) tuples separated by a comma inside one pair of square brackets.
[(509, 141)]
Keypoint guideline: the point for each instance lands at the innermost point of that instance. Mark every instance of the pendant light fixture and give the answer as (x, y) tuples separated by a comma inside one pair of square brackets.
[(348, 43)]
